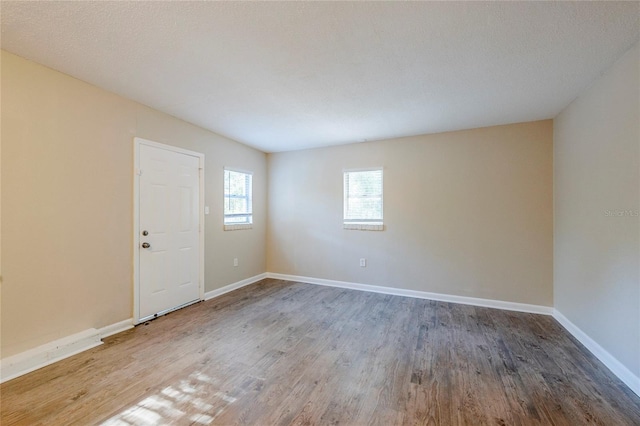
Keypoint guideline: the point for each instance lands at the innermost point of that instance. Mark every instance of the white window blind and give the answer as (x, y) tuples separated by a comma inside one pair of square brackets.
[(363, 197), (238, 203)]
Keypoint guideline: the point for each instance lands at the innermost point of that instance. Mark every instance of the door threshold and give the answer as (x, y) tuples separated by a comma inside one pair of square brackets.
[(166, 311)]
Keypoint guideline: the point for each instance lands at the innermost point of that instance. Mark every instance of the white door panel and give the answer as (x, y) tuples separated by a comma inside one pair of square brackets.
[(168, 210)]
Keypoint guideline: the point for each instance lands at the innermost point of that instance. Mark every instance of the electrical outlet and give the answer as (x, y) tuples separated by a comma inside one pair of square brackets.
[(235, 261), (363, 262)]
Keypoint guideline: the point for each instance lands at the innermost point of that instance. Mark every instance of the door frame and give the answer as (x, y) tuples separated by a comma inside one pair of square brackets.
[(137, 142)]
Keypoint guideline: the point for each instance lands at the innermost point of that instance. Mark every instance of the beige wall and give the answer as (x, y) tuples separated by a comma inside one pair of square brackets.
[(466, 213), (67, 177), (596, 175)]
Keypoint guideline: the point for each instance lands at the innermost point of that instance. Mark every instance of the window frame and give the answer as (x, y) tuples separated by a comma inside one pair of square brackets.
[(248, 223), (376, 224)]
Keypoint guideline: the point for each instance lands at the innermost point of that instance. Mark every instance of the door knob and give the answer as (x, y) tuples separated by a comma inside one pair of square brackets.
[(146, 245)]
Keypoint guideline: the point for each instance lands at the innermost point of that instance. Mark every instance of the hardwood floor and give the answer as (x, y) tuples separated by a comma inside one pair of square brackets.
[(278, 352)]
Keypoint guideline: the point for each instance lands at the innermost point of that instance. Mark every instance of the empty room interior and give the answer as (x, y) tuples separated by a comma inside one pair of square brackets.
[(356, 213)]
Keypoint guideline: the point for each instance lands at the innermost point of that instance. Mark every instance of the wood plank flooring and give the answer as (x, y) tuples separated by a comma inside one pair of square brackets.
[(281, 353)]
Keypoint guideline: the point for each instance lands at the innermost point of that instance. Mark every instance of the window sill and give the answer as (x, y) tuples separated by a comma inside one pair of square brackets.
[(238, 227), (363, 226)]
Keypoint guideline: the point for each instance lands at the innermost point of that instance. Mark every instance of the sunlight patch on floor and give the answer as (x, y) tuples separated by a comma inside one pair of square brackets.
[(179, 401)]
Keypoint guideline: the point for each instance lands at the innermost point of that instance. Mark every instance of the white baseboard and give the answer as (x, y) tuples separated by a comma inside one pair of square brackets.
[(487, 303), (226, 289), (616, 367), (41, 356), (33, 359), (116, 328), (605, 357)]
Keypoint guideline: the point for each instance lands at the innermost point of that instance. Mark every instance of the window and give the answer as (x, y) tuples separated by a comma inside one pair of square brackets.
[(238, 209), (363, 199)]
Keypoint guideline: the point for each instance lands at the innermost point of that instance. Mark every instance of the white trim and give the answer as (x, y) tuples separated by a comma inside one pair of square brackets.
[(41, 356), (345, 197), (616, 367), (238, 226), (136, 213), (364, 169), (49, 353), (363, 226), (171, 148), (487, 303), (601, 353), (202, 226), (116, 328), (234, 169), (136, 228), (231, 226), (226, 289)]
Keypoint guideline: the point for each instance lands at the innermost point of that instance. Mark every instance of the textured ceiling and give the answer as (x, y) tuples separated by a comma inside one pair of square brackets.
[(283, 76)]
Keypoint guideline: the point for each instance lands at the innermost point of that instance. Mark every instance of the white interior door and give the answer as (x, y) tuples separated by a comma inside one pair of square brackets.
[(169, 224)]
